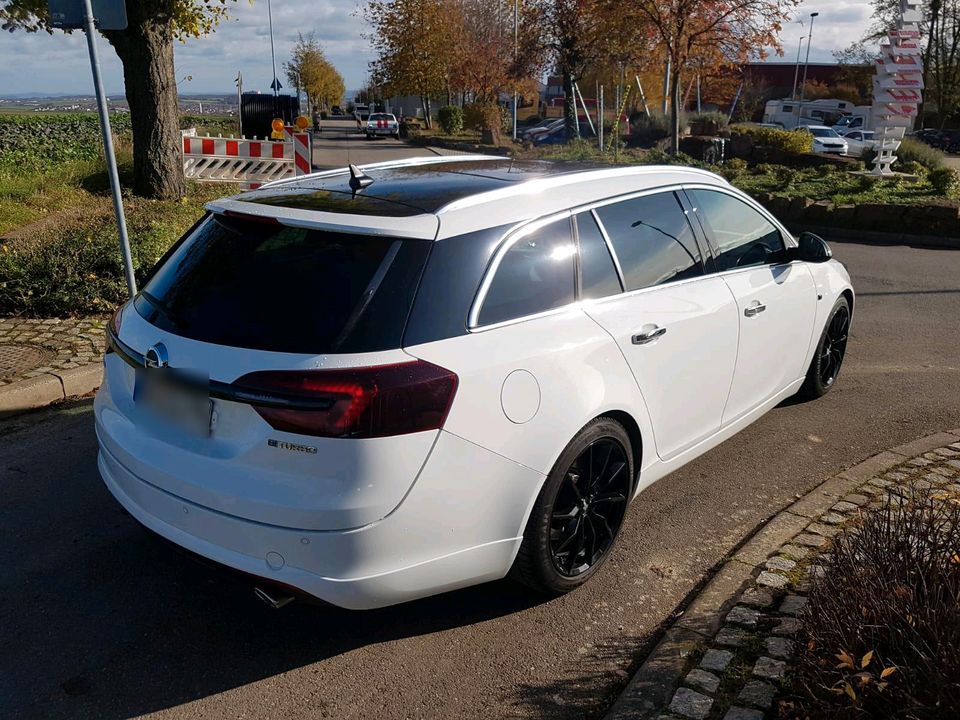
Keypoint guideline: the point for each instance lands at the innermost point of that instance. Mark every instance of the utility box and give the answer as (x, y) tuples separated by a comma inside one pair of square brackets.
[(258, 110)]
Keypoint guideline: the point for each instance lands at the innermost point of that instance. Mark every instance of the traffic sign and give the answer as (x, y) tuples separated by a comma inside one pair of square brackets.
[(107, 14)]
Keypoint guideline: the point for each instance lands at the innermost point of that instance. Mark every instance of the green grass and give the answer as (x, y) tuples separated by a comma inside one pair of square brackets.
[(834, 185), (820, 183), (59, 252)]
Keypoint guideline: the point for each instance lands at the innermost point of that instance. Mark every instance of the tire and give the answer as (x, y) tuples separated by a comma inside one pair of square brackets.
[(828, 357), (554, 556)]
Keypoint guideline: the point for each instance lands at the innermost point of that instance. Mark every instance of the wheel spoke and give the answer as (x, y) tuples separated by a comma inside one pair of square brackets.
[(577, 523), (571, 479), (614, 497)]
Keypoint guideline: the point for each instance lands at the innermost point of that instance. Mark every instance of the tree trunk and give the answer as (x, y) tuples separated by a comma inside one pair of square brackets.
[(425, 106), (145, 49), (570, 106)]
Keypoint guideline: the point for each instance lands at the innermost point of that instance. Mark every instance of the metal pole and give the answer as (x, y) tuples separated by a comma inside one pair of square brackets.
[(643, 97), (240, 100), (666, 87), (699, 104), (586, 111), (796, 69), (600, 122), (516, 51), (806, 65), (273, 57), (108, 148)]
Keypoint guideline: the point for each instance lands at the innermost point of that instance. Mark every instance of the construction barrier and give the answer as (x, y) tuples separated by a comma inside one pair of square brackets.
[(248, 162)]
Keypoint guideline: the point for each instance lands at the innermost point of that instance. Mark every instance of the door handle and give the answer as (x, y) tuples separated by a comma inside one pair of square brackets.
[(642, 338), (755, 308)]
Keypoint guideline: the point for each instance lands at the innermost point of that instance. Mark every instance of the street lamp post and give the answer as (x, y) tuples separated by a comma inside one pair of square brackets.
[(806, 65), (273, 56), (796, 69)]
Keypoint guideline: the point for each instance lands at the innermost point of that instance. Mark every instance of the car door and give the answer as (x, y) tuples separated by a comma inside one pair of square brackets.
[(776, 299), (676, 327)]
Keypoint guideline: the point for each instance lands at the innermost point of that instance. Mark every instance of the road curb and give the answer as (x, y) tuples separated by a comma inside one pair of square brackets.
[(700, 616), (876, 237), (23, 395)]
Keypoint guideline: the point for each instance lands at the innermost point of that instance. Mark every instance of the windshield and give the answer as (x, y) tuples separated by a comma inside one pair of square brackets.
[(381, 116), (266, 286), (823, 132)]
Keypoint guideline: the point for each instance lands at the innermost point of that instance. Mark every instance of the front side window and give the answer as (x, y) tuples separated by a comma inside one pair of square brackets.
[(741, 235), (652, 239), (535, 274)]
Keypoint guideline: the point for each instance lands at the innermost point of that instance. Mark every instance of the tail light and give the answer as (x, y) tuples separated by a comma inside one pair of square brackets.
[(365, 402)]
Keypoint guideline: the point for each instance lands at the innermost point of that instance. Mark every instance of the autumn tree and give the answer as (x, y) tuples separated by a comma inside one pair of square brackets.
[(145, 50), (310, 71), (711, 32), (413, 41)]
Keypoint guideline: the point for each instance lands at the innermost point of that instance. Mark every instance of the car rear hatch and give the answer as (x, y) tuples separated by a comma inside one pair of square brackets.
[(275, 386)]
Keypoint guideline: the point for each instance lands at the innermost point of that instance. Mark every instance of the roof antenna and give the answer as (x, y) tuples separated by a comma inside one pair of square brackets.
[(358, 180)]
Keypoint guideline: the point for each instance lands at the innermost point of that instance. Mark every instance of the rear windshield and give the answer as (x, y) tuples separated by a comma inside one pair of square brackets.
[(266, 286), (381, 116)]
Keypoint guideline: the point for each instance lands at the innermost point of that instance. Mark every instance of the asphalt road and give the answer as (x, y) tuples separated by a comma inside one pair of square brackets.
[(100, 620), (338, 144)]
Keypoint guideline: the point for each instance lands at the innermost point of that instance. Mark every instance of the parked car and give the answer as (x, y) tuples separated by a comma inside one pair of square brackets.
[(382, 124), (558, 135), (859, 141), (825, 140), (544, 126), (372, 385)]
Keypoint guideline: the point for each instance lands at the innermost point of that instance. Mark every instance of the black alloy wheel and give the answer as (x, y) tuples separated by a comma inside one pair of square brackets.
[(828, 357), (579, 511), (589, 509)]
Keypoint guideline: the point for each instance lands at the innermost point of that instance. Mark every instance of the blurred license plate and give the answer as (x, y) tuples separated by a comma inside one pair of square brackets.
[(182, 399)]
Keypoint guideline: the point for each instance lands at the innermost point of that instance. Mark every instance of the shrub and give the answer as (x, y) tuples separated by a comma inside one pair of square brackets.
[(911, 150), (450, 118), (945, 181), (736, 165), (770, 143), (707, 123), (883, 622)]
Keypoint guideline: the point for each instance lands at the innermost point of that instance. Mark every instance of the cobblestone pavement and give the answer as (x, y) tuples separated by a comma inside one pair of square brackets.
[(30, 348), (740, 672)]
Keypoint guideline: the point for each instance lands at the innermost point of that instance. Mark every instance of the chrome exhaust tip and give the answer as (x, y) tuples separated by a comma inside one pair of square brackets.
[(275, 603)]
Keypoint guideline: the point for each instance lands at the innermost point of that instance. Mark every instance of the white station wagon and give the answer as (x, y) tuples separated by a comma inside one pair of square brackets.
[(371, 385)]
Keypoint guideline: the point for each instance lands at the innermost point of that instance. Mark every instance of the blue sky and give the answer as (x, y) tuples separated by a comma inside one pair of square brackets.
[(46, 64)]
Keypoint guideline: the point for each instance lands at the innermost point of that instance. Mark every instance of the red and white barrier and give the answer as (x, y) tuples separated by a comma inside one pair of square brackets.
[(249, 162)]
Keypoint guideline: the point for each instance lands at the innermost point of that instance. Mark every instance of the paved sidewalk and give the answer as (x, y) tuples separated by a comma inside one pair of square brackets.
[(729, 652), (42, 361)]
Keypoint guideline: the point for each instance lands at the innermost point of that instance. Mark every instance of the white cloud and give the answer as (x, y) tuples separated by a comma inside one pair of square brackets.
[(58, 63)]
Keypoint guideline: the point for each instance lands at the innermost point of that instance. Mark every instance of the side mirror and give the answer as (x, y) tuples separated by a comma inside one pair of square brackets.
[(812, 248)]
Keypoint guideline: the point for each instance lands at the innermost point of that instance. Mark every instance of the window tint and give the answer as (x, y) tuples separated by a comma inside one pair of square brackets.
[(652, 239), (535, 274), (271, 287), (742, 236), (598, 274)]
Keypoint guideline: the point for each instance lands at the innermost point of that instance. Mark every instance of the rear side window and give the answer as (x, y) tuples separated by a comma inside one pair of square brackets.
[(598, 274), (266, 286), (535, 275), (652, 239), (742, 236)]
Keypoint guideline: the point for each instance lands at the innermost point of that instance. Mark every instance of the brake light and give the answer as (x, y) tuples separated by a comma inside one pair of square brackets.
[(115, 320), (369, 402)]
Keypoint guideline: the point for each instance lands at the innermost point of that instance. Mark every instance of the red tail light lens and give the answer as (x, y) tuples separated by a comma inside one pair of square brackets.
[(369, 402)]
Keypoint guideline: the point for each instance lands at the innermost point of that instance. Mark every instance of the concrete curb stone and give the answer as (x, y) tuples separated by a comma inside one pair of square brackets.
[(700, 637), (33, 393)]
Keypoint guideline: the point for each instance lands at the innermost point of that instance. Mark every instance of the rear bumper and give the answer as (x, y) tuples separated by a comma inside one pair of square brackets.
[(460, 525), (382, 131)]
